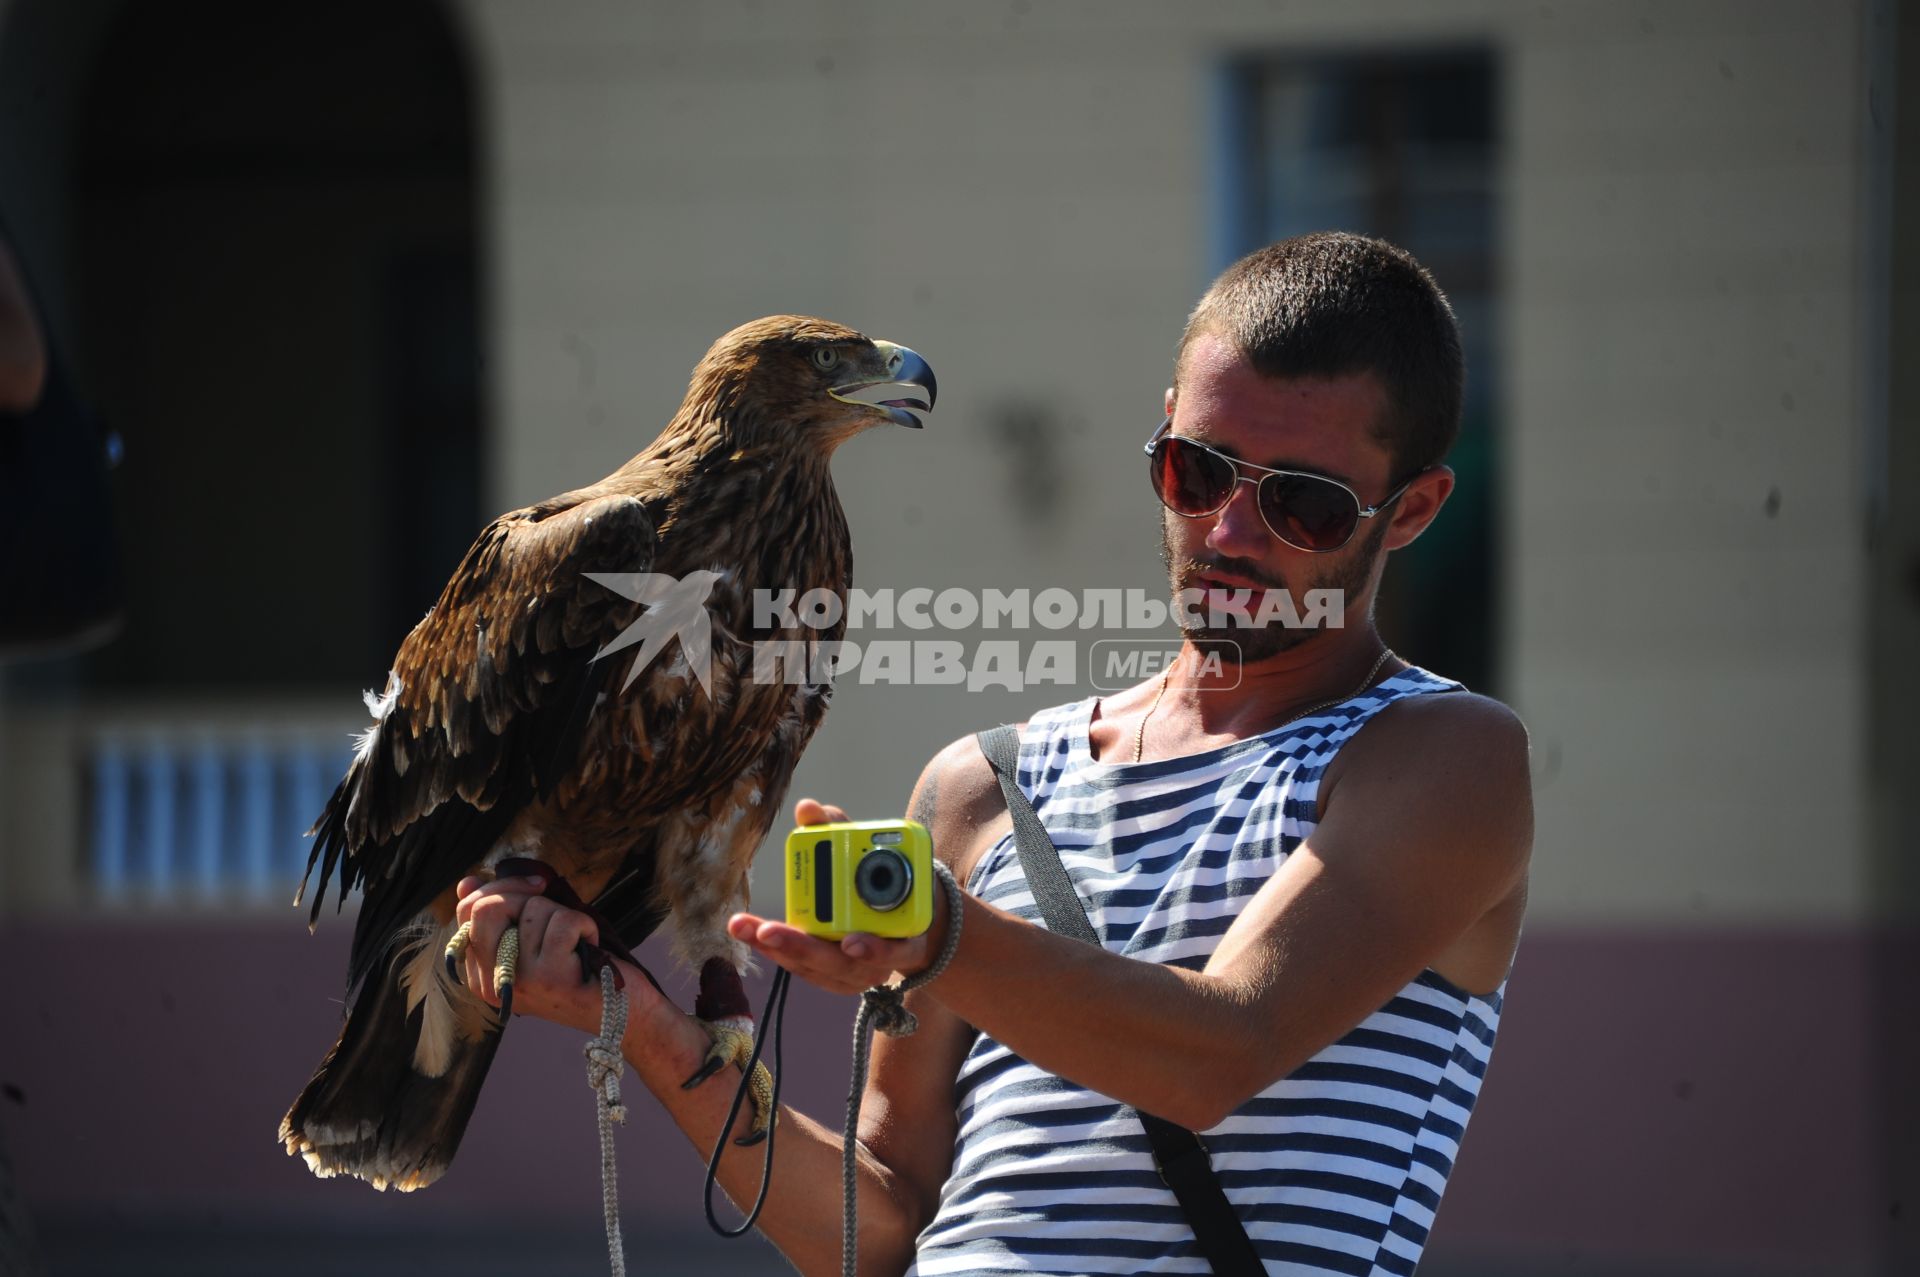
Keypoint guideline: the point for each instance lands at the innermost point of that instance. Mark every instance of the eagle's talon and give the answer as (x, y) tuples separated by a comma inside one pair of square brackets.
[(713, 1064), (456, 947), (733, 1044), (594, 958)]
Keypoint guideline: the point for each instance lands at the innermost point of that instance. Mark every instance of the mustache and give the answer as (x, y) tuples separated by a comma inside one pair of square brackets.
[(1244, 569)]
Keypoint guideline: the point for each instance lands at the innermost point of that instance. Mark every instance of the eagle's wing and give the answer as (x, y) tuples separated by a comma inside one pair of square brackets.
[(483, 711)]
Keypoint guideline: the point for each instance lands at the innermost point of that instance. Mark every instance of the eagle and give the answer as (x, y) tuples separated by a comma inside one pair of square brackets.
[(511, 730)]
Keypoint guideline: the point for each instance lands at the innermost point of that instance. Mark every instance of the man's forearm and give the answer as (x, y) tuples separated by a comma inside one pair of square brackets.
[(1184, 1046), (802, 1215)]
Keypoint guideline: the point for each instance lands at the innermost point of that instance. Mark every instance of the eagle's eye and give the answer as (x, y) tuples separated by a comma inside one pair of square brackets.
[(825, 358)]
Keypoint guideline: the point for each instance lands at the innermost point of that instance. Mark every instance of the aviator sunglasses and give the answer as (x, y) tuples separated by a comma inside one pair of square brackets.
[(1308, 511)]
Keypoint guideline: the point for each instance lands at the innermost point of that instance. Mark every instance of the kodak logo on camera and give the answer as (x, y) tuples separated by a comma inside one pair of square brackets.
[(874, 876)]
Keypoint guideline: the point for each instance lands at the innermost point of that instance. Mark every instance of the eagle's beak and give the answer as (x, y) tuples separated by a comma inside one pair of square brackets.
[(906, 393)]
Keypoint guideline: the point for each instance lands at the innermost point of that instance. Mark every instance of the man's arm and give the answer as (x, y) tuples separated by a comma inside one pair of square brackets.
[(1427, 829), (907, 1126)]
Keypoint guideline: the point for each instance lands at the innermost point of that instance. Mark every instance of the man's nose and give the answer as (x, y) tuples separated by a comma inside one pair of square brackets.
[(1238, 530)]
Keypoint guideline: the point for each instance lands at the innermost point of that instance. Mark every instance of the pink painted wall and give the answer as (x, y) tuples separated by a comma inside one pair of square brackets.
[(1658, 1101)]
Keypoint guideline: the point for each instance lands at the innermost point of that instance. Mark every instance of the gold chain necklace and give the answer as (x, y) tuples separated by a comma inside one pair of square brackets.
[(1140, 735)]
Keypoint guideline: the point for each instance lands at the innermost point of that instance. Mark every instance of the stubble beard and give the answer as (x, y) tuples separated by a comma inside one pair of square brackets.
[(1348, 572)]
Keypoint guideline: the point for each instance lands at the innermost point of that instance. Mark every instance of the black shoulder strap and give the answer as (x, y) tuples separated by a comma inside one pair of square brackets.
[(1178, 1153)]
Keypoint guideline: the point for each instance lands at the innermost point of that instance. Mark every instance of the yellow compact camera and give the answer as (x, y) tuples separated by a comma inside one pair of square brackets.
[(874, 876)]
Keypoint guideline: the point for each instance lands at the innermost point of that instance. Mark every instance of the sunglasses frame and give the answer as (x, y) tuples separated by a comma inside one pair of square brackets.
[(1363, 510)]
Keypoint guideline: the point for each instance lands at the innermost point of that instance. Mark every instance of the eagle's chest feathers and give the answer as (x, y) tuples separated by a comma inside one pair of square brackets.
[(714, 701)]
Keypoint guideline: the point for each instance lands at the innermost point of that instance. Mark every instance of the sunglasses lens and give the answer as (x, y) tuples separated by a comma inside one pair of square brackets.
[(1190, 480), (1307, 512)]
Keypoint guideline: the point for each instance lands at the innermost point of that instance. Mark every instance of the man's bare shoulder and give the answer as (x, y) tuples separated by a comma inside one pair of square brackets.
[(1443, 774), (1427, 731), (958, 799)]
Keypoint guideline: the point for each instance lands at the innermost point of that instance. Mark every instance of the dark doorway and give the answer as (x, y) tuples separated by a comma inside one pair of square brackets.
[(274, 301)]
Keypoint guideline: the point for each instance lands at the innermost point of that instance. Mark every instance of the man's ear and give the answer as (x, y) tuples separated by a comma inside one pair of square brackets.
[(1169, 401), (1418, 506)]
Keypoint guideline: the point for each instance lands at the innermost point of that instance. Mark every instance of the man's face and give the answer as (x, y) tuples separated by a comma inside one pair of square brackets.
[(1322, 426)]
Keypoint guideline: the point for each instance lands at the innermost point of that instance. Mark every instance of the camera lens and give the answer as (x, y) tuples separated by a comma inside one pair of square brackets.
[(883, 879)]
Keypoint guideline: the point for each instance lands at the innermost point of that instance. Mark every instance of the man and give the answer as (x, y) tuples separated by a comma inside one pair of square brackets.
[(1305, 925)]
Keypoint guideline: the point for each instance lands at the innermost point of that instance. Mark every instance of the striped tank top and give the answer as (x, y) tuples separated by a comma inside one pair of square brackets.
[(1337, 1168)]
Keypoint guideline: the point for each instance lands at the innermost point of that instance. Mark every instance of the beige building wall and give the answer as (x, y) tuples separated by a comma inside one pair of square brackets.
[(1689, 545), (1021, 193), (1709, 571)]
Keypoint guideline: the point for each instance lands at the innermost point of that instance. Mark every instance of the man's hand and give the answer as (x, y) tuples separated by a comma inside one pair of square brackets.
[(857, 962), (548, 984)]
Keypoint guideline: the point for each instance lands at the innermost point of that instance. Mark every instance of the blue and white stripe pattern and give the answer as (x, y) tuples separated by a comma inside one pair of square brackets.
[(1337, 1168)]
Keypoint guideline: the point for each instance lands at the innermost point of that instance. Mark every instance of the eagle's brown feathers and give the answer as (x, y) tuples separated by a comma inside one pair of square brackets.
[(499, 732)]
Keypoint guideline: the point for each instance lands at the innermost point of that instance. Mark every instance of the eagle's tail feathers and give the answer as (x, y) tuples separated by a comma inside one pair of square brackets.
[(369, 1112)]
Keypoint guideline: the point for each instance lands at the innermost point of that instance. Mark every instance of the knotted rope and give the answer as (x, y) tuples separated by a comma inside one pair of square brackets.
[(605, 1064), (884, 1007)]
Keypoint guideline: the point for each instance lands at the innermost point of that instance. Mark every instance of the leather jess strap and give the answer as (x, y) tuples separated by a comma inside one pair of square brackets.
[(1178, 1154)]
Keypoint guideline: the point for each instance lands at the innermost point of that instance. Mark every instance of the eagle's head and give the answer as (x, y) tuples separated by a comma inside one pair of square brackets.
[(794, 378)]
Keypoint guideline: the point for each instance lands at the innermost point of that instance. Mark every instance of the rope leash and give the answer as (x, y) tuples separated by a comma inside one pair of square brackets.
[(884, 1007), (605, 1064)]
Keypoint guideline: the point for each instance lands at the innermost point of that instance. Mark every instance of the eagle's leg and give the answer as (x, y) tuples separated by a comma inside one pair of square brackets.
[(723, 1011), (506, 961)]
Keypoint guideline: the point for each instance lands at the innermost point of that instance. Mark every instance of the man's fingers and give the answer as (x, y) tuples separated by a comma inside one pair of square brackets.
[(811, 811), (472, 889), (535, 919), (560, 944), (473, 974)]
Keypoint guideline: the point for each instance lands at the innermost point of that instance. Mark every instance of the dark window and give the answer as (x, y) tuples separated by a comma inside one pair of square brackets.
[(1404, 147)]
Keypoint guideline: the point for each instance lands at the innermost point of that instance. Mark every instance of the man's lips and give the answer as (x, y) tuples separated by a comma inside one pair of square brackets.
[(1212, 583)]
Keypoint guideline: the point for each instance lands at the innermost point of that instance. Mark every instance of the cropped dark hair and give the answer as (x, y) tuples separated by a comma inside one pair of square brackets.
[(1334, 304)]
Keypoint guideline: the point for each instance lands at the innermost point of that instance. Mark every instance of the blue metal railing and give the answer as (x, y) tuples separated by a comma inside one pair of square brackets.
[(197, 816)]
